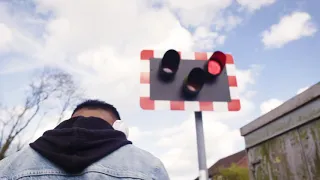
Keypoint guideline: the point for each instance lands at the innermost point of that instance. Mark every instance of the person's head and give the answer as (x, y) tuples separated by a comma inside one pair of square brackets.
[(96, 108)]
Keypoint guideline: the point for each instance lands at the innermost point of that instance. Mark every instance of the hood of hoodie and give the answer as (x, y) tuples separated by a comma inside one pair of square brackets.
[(78, 142)]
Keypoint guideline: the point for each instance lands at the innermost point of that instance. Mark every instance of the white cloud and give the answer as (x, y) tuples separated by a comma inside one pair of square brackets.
[(6, 35), (302, 89), (248, 77), (15, 39), (205, 39), (15, 30), (290, 28), (269, 105), (135, 133), (101, 41), (252, 5), (211, 14), (202, 12), (232, 21), (102, 23)]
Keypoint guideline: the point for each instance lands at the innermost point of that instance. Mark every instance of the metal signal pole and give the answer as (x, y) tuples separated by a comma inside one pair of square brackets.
[(203, 171)]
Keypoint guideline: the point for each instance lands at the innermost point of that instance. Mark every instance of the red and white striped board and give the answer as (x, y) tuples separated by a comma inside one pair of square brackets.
[(147, 104)]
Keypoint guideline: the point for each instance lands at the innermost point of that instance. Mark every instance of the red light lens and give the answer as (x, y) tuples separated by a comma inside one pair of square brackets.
[(214, 68)]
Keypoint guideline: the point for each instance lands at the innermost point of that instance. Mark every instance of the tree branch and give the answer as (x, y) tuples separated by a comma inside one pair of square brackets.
[(21, 144), (50, 84)]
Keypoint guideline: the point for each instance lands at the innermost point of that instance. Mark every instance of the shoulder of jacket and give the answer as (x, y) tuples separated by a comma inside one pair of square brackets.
[(134, 151), (22, 160), (144, 161), (156, 167), (8, 164)]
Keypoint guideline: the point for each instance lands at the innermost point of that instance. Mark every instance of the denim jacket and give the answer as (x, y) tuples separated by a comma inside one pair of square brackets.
[(127, 163)]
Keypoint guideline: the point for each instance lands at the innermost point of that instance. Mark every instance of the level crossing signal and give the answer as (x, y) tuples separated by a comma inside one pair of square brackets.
[(188, 81)]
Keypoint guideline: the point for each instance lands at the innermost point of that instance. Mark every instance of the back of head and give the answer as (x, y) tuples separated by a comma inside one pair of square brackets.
[(97, 105), (102, 110)]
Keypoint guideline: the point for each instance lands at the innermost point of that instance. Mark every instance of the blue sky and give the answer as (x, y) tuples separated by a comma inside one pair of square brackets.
[(274, 43)]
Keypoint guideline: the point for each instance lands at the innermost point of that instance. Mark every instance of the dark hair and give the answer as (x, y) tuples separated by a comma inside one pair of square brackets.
[(97, 104)]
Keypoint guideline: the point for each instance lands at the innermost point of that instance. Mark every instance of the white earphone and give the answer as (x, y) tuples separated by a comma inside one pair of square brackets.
[(119, 125)]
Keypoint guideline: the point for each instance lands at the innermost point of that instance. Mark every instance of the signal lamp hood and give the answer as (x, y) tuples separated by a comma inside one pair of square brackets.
[(193, 83), (169, 65)]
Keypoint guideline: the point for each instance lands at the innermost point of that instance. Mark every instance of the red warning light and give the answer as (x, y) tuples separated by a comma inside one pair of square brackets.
[(215, 64), (214, 68)]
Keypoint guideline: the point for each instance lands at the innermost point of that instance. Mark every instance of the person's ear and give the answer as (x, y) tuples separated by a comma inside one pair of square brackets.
[(120, 125)]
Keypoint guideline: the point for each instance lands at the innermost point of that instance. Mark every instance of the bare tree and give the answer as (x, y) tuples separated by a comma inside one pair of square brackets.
[(50, 84)]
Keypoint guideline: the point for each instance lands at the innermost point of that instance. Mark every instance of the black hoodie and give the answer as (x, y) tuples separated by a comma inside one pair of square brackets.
[(78, 142)]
